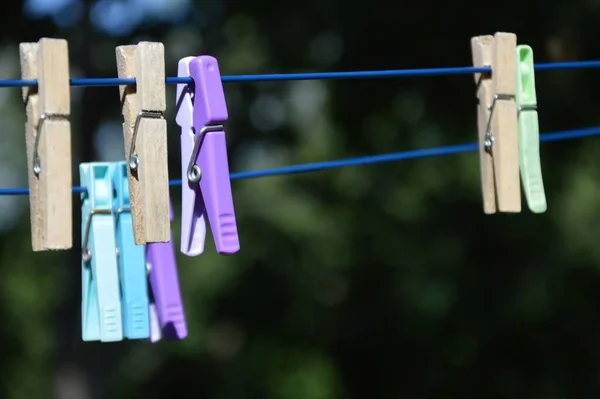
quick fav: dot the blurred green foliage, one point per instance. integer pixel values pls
(379, 281)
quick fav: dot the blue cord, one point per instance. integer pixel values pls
(314, 75)
(395, 156)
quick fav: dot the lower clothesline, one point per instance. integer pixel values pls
(364, 160)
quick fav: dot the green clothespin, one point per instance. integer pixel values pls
(529, 132)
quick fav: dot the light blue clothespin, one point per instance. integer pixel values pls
(101, 304)
(132, 262)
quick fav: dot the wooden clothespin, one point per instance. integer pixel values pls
(497, 122)
(145, 137)
(48, 141)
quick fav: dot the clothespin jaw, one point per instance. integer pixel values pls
(131, 261)
(497, 122)
(193, 225)
(167, 314)
(101, 304)
(207, 171)
(529, 132)
(145, 137)
(48, 142)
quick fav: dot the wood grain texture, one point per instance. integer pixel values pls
(51, 197)
(504, 123)
(481, 49)
(149, 184)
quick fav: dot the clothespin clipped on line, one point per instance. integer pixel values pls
(206, 188)
(497, 122)
(48, 142)
(167, 317)
(193, 224)
(101, 316)
(145, 137)
(508, 125)
(529, 132)
(131, 260)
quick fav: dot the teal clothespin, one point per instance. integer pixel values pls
(529, 132)
(101, 303)
(132, 262)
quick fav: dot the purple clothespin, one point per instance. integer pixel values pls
(205, 170)
(191, 244)
(166, 312)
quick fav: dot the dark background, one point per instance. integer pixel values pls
(380, 281)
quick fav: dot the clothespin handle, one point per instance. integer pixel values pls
(131, 261)
(167, 310)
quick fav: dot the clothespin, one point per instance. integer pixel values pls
(529, 132)
(206, 183)
(101, 303)
(145, 137)
(48, 142)
(166, 312)
(497, 122)
(192, 237)
(132, 262)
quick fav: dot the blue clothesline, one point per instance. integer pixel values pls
(390, 157)
(315, 75)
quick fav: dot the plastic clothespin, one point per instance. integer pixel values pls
(497, 122)
(166, 312)
(132, 262)
(48, 141)
(145, 137)
(192, 238)
(101, 303)
(529, 132)
(207, 186)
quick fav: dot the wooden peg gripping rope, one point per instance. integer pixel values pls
(481, 48)
(504, 123)
(497, 122)
(48, 142)
(145, 138)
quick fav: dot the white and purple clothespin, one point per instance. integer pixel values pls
(167, 317)
(206, 188)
